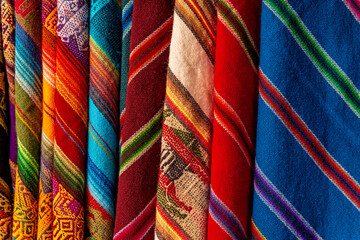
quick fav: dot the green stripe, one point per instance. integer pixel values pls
(74, 179)
(28, 169)
(240, 30)
(327, 67)
(139, 143)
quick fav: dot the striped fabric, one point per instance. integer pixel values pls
(306, 180)
(140, 150)
(127, 11)
(5, 178)
(71, 118)
(234, 126)
(49, 18)
(102, 159)
(8, 44)
(184, 176)
(28, 95)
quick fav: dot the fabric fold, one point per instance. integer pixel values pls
(28, 97)
(184, 177)
(140, 150)
(71, 118)
(103, 129)
(235, 112)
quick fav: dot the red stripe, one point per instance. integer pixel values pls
(187, 123)
(308, 140)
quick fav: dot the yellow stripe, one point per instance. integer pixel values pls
(188, 116)
(102, 146)
(203, 19)
(23, 120)
(257, 230)
(163, 222)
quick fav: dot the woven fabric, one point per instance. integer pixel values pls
(234, 126)
(8, 43)
(5, 178)
(140, 150)
(71, 123)
(127, 11)
(28, 95)
(306, 179)
(49, 18)
(184, 177)
(102, 161)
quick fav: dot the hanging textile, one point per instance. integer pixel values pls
(8, 43)
(46, 217)
(140, 150)
(71, 125)
(127, 11)
(235, 104)
(102, 161)
(28, 95)
(306, 179)
(184, 178)
(5, 177)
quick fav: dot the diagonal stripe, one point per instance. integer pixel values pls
(256, 234)
(226, 116)
(150, 48)
(310, 143)
(282, 208)
(225, 218)
(230, 17)
(140, 142)
(140, 225)
(354, 7)
(328, 68)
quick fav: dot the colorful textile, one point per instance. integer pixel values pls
(8, 44)
(28, 95)
(49, 18)
(306, 179)
(140, 150)
(183, 191)
(71, 121)
(234, 126)
(102, 161)
(127, 11)
(5, 178)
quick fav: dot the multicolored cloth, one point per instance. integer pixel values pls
(28, 95)
(306, 180)
(141, 133)
(71, 118)
(184, 178)
(234, 126)
(46, 217)
(5, 178)
(8, 44)
(102, 161)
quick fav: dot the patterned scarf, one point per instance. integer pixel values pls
(5, 178)
(140, 150)
(233, 148)
(71, 123)
(306, 176)
(28, 94)
(102, 162)
(184, 178)
(49, 18)
(8, 43)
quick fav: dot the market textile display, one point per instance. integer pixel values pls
(179, 119)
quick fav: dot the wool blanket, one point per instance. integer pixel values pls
(306, 179)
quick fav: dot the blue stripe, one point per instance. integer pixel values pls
(225, 218)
